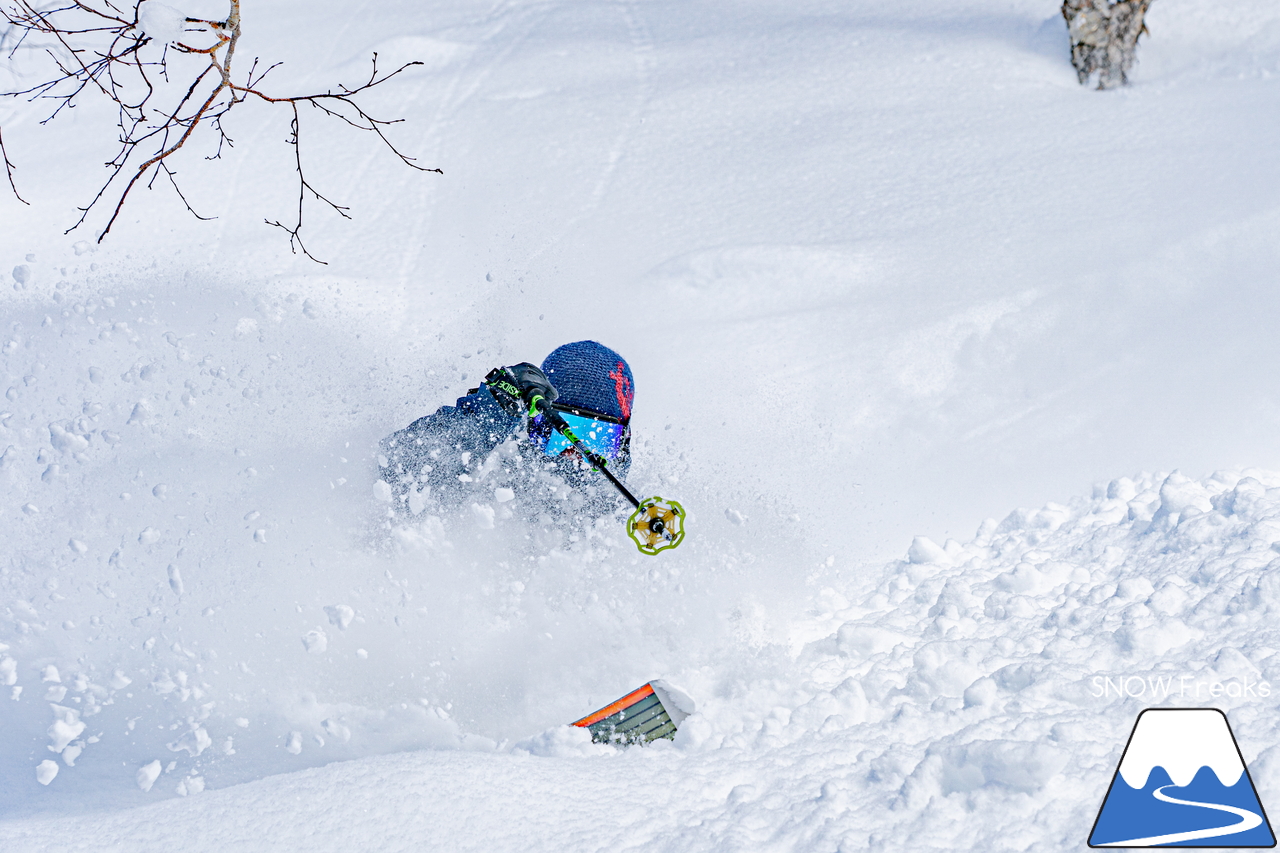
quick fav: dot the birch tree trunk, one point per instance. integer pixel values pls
(1104, 38)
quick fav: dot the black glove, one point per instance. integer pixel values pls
(516, 387)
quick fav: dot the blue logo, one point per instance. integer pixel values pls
(1182, 783)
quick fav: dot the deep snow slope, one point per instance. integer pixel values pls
(881, 272)
(966, 698)
(906, 227)
(198, 569)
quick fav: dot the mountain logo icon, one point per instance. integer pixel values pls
(1182, 782)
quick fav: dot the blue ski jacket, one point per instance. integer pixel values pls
(469, 452)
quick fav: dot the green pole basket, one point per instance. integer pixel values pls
(656, 525)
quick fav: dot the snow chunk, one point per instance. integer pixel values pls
(66, 727)
(67, 442)
(160, 22)
(678, 704)
(316, 641)
(335, 729)
(141, 413)
(72, 752)
(483, 514)
(1178, 493)
(46, 771)
(175, 579)
(50, 674)
(167, 684)
(418, 499)
(925, 550)
(340, 615)
(148, 774)
(191, 785)
(8, 671)
(294, 745)
(194, 742)
(981, 693)
(502, 495)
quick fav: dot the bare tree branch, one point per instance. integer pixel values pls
(295, 233)
(173, 180)
(98, 47)
(8, 170)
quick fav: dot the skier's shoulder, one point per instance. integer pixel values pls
(476, 404)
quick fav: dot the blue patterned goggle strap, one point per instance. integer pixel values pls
(601, 435)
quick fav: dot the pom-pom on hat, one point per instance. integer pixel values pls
(591, 376)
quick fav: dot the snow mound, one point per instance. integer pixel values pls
(980, 692)
(960, 698)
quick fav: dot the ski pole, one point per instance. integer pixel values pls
(539, 405)
(656, 524)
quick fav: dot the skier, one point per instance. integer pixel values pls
(488, 446)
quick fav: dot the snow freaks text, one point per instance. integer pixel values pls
(1182, 686)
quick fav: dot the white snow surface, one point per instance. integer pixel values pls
(883, 272)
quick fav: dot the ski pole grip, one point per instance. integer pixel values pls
(539, 405)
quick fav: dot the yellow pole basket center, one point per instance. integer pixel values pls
(656, 525)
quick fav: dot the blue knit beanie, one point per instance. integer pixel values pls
(591, 376)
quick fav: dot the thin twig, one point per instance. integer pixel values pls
(8, 170)
(173, 180)
(295, 233)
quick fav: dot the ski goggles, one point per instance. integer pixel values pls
(599, 433)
